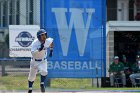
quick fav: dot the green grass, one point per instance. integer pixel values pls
(20, 83)
(71, 83)
(64, 83)
(16, 83)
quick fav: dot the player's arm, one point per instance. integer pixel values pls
(51, 49)
(35, 50)
(49, 44)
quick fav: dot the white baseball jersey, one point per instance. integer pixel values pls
(36, 45)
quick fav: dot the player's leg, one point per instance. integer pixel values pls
(133, 77)
(43, 72)
(31, 78)
(111, 79)
(123, 79)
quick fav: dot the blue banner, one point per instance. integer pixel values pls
(77, 27)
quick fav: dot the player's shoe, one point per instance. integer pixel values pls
(29, 91)
(42, 88)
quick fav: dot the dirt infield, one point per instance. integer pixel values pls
(76, 91)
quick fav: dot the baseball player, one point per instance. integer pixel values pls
(117, 69)
(38, 60)
(135, 71)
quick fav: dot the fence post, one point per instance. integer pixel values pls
(92, 82)
(3, 68)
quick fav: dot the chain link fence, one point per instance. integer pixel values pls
(14, 76)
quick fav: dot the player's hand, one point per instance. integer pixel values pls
(42, 46)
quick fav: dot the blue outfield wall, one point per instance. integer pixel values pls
(78, 29)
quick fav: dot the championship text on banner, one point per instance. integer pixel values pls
(21, 38)
(78, 31)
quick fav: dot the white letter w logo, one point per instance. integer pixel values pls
(77, 22)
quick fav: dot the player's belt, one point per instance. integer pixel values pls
(39, 59)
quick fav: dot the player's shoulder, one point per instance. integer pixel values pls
(36, 41)
(49, 39)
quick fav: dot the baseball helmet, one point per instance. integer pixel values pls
(41, 31)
